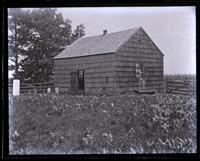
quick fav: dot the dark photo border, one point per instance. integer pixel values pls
(84, 3)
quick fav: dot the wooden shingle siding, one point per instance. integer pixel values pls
(85, 59)
(99, 72)
(90, 65)
(113, 71)
(142, 58)
(89, 70)
(139, 49)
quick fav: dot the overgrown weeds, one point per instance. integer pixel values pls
(64, 124)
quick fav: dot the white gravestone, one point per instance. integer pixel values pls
(56, 90)
(16, 87)
(48, 90)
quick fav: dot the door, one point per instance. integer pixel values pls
(81, 79)
(73, 81)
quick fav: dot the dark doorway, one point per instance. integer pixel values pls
(73, 81)
(81, 79)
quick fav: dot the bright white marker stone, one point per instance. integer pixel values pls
(16, 87)
(56, 90)
(48, 90)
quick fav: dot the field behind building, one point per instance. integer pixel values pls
(129, 123)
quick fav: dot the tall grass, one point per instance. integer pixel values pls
(66, 124)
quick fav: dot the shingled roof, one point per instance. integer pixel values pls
(93, 45)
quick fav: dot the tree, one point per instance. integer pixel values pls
(36, 37)
(50, 35)
(78, 33)
(17, 31)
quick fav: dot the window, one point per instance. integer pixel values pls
(142, 70)
(139, 70)
(80, 73)
(137, 67)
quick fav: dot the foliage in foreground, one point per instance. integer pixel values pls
(44, 124)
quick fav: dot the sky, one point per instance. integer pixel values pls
(173, 29)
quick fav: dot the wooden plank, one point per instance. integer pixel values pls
(123, 85)
(102, 69)
(120, 67)
(61, 84)
(154, 78)
(62, 87)
(127, 78)
(91, 57)
(133, 52)
(101, 79)
(125, 69)
(99, 75)
(182, 93)
(25, 84)
(139, 59)
(84, 60)
(182, 90)
(177, 82)
(179, 87)
(32, 90)
(146, 91)
(88, 70)
(56, 79)
(36, 87)
(155, 74)
(154, 82)
(91, 65)
(132, 78)
(88, 75)
(126, 74)
(147, 75)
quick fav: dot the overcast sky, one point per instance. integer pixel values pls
(173, 29)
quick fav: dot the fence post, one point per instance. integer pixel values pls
(56, 90)
(16, 87)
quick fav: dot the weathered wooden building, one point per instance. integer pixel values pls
(110, 63)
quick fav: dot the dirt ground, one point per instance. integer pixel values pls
(66, 124)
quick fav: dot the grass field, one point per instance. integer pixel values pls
(65, 124)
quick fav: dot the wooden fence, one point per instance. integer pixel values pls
(171, 86)
(181, 87)
(33, 87)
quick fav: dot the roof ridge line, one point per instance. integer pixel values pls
(114, 41)
(110, 33)
(127, 39)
